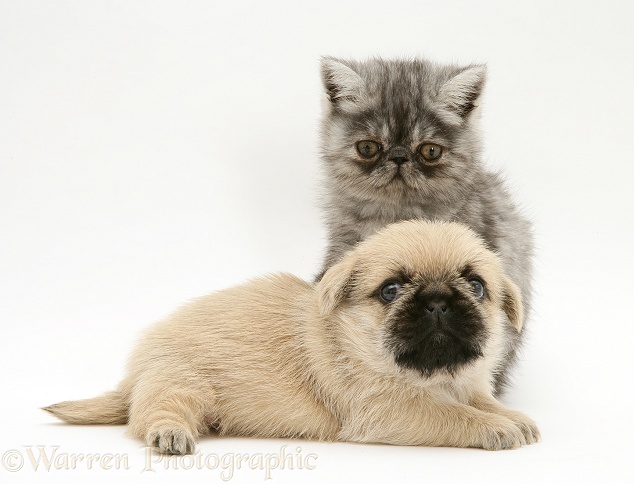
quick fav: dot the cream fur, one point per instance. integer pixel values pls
(278, 357)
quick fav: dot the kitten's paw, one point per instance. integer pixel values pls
(500, 433)
(176, 441)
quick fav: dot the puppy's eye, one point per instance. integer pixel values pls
(477, 286)
(368, 148)
(430, 151)
(390, 292)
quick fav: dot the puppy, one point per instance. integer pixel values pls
(399, 343)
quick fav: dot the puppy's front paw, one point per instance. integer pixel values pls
(500, 433)
(176, 441)
(527, 426)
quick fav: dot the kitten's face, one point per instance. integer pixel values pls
(397, 130)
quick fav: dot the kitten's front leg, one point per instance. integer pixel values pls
(487, 403)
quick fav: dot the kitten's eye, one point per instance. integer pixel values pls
(390, 292)
(477, 286)
(430, 151)
(368, 148)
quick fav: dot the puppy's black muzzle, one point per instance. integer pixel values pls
(437, 329)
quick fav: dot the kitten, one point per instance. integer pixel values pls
(400, 140)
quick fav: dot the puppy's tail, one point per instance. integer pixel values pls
(109, 408)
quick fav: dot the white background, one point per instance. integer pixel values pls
(152, 152)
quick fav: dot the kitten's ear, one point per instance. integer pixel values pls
(512, 304)
(335, 284)
(459, 94)
(343, 86)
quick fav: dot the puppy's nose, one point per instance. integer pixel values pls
(438, 306)
(398, 155)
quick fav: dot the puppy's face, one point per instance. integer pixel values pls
(435, 323)
(429, 293)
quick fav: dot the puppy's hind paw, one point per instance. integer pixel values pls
(171, 441)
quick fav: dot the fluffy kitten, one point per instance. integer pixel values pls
(400, 140)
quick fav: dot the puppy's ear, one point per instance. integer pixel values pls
(335, 284)
(512, 304)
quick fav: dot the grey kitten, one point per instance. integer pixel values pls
(400, 140)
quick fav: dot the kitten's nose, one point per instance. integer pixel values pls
(398, 155)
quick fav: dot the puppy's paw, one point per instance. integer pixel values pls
(176, 441)
(500, 433)
(527, 426)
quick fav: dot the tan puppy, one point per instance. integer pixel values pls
(398, 343)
